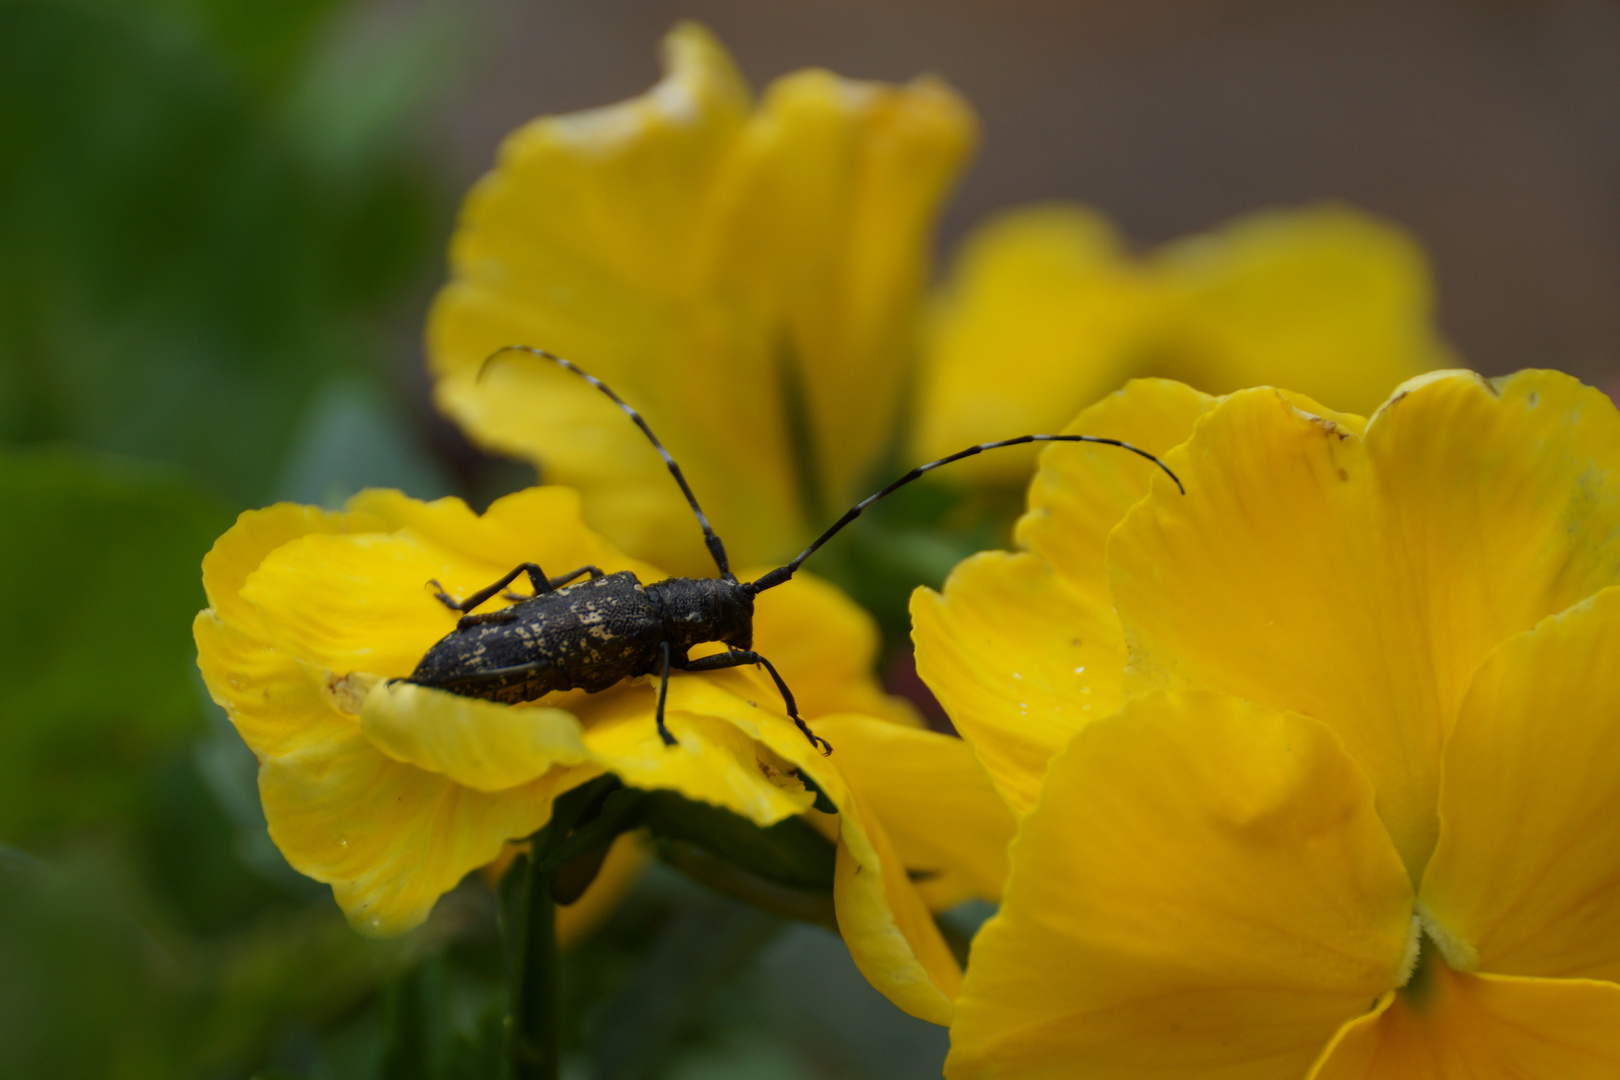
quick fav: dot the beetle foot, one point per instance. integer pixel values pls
(443, 597)
(822, 745)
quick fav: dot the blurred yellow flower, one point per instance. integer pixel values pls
(1326, 300)
(753, 279)
(712, 262)
(1330, 744)
(392, 792)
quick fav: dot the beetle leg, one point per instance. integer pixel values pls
(558, 582)
(594, 571)
(503, 615)
(443, 597)
(537, 577)
(743, 657)
(663, 692)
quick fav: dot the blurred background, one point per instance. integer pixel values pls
(220, 225)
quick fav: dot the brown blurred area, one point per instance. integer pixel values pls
(1490, 129)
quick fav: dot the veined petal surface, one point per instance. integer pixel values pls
(1483, 1027)
(388, 837)
(1082, 491)
(1362, 581)
(1526, 877)
(1204, 890)
(1505, 499)
(479, 744)
(943, 816)
(1024, 649)
(1020, 662)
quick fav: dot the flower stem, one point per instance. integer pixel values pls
(533, 1026)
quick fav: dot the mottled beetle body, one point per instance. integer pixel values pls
(586, 636)
(597, 633)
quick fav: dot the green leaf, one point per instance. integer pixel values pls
(96, 657)
(790, 853)
(620, 811)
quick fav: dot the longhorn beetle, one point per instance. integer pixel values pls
(593, 634)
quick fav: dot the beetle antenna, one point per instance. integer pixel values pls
(783, 573)
(710, 537)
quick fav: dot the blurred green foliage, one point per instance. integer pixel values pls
(93, 676)
(208, 211)
(213, 218)
(189, 241)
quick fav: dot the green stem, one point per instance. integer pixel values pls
(534, 1025)
(529, 927)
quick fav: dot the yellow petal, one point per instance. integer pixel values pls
(686, 253)
(891, 934)
(1082, 492)
(588, 239)
(1019, 660)
(837, 184)
(884, 920)
(1485, 1026)
(725, 725)
(1022, 650)
(1526, 877)
(479, 744)
(277, 704)
(945, 820)
(538, 524)
(256, 534)
(1362, 582)
(1326, 300)
(358, 603)
(1506, 498)
(362, 601)
(388, 837)
(1050, 288)
(1204, 890)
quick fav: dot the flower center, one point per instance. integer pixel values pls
(1429, 947)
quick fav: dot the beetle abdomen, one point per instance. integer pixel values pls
(587, 636)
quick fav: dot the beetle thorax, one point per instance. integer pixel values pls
(697, 610)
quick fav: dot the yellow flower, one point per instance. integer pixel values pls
(392, 792)
(1331, 796)
(753, 279)
(709, 260)
(1327, 300)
